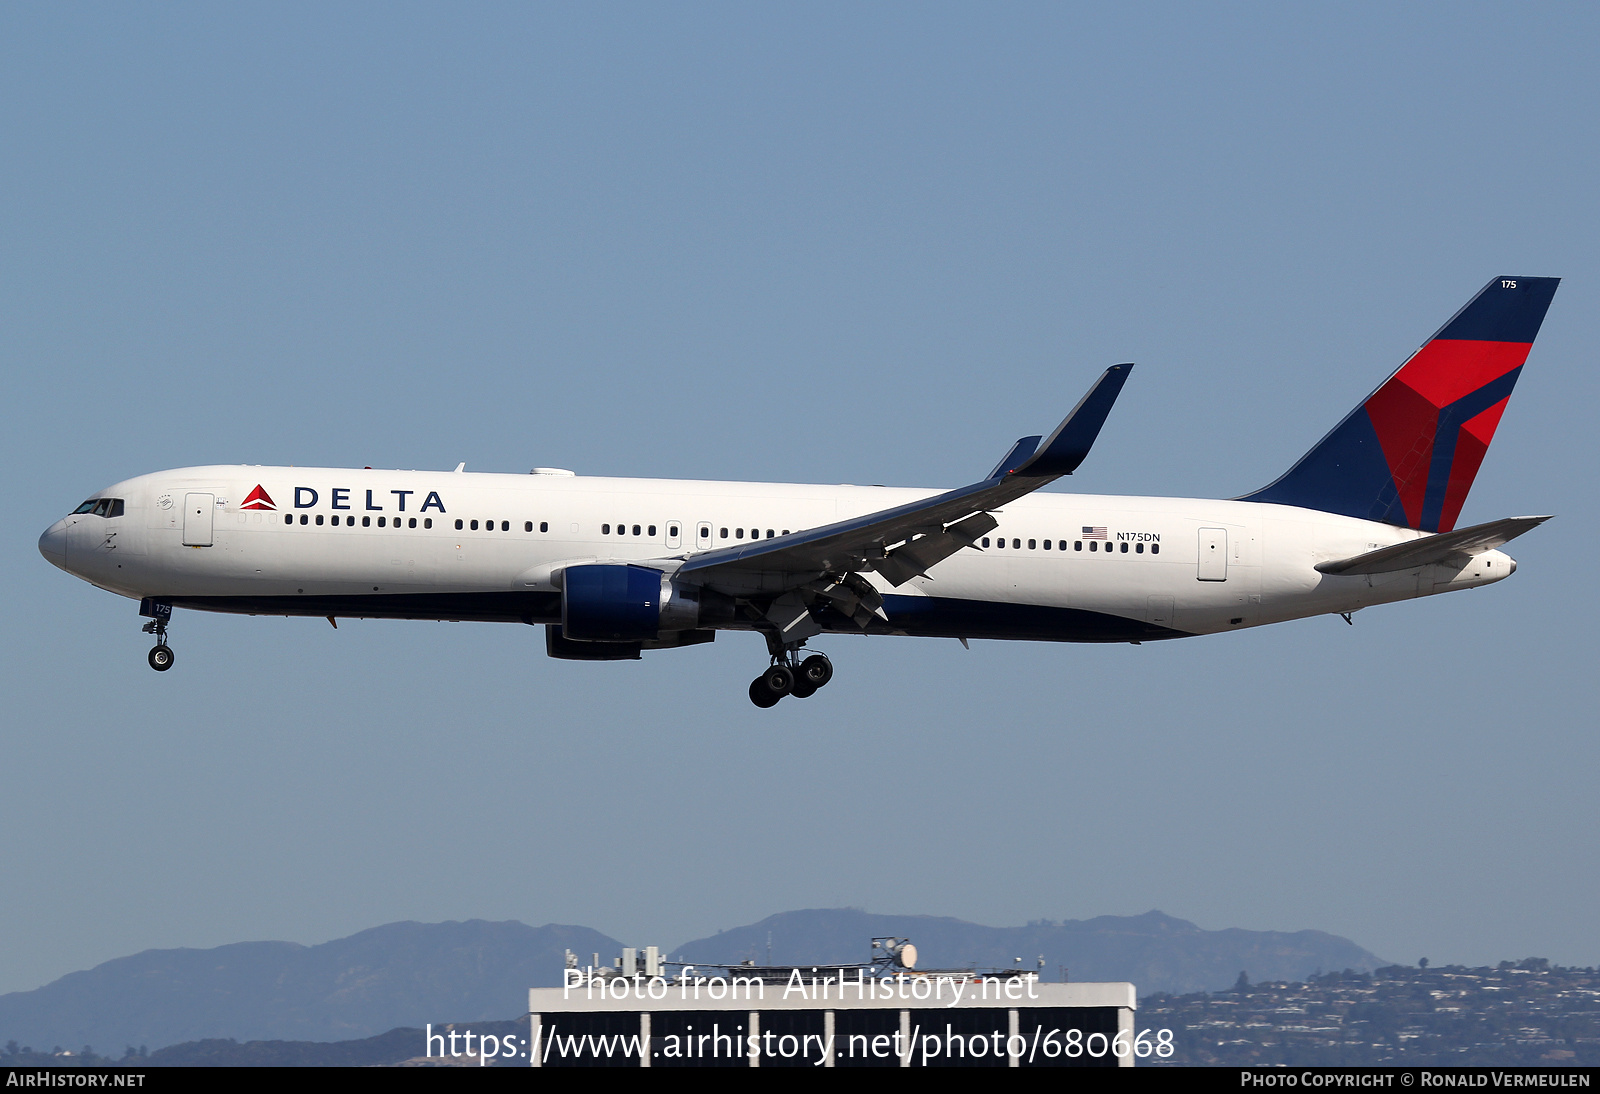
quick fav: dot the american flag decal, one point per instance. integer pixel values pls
(1098, 532)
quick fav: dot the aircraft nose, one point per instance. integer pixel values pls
(53, 544)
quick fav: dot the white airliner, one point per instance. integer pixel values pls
(615, 566)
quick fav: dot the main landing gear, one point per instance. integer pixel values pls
(790, 676)
(160, 614)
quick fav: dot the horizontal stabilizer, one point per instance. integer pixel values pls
(1430, 549)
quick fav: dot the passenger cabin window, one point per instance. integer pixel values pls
(458, 524)
(319, 518)
(288, 518)
(1155, 548)
(672, 530)
(366, 522)
(544, 526)
(1033, 545)
(652, 530)
(505, 526)
(1124, 548)
(724, 533)
(474, 526)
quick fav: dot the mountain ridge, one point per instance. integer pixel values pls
(409, 973)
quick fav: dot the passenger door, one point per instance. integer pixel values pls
(198, 512)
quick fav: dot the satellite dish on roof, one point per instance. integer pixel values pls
(906, 956)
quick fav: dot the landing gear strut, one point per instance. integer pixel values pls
(160, 614)
(789, 675)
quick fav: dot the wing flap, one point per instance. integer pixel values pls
(916, 558)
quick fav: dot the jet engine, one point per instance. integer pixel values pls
(614, 602)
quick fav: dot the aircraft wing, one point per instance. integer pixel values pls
(1438, 548)
(905, 541)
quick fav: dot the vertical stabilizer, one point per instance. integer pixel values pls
(1408, 454)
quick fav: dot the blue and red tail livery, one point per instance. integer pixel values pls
(1408, 454)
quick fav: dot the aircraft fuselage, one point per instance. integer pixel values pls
(472, 546)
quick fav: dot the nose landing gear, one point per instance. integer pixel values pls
(160, 614)
(790, 676)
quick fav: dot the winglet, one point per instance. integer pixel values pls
(1020, 451)
(1069, 445)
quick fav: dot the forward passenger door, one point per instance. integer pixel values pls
(198, 513)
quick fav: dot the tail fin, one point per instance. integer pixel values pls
(1408, 454)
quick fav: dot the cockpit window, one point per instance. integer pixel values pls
(101, 507)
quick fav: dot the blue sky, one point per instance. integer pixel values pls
(802, 243)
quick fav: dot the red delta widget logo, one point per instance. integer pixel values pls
(259, 499)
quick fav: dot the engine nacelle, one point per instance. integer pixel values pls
(614, 602)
